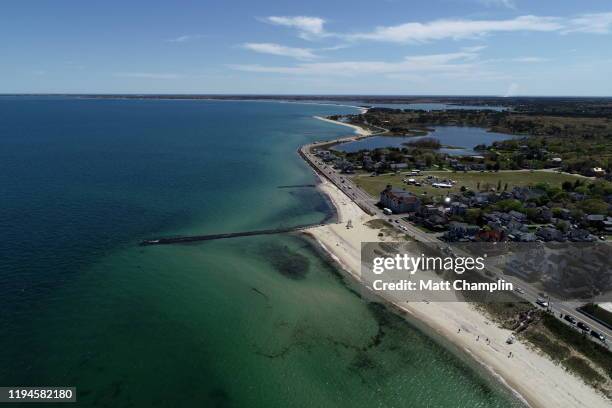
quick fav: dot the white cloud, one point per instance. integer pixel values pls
(147, 75)
(499, 3)
(277, 49)
(434, 59)
(595, 23)
(457, 29)
(475, 48)
(185, 38)
(530, 59)
(459, 62)
(308, 27)
(419, 32)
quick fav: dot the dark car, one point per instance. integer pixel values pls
(583, 326)
(570, 319)
(598, 336)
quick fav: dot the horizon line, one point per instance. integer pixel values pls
(299, 95)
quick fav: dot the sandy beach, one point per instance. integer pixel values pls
(532, 376)
(359, 131)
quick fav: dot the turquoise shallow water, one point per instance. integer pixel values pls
(259, 321)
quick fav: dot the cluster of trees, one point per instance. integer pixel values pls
(581, 142)
(557, 198)
(425, 143)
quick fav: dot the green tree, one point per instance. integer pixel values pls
(594, 206)
(567, 186)
(473, 215)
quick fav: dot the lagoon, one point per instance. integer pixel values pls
(463, 139)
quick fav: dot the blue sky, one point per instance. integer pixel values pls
(447, 47)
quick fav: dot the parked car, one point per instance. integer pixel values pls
(583, 326)
(570, 319)
(598, 336)
(542, 302)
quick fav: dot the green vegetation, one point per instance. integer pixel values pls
(379, 224)
(562, 343)
(556, 351)
(573, 143)
(425, 143)
(505, 313)
(582, 368)
(593, 351)
(471, 180)
(387, 229)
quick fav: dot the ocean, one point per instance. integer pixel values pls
(261, 321)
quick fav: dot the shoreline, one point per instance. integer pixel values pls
(531, 377)
(359, 131)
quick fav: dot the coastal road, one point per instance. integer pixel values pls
(368, 203)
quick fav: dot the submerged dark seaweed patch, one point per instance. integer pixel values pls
(362, 361)
(286, 261)
(219, 398)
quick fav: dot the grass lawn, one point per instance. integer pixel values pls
(374, 185)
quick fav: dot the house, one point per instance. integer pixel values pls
(543, 214)
(517, 216)
(580, 235)
(521, 236)
(595, 220)
(399, 201)
(526, 193)
(427, 210)
(398, 166)
(550, 234)
(516, 226)
(598, 171)
(478, 166)
(608, 225)
(457, 208)
(481, 199)
(461, 231)
(491, 235)
(435, 222)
